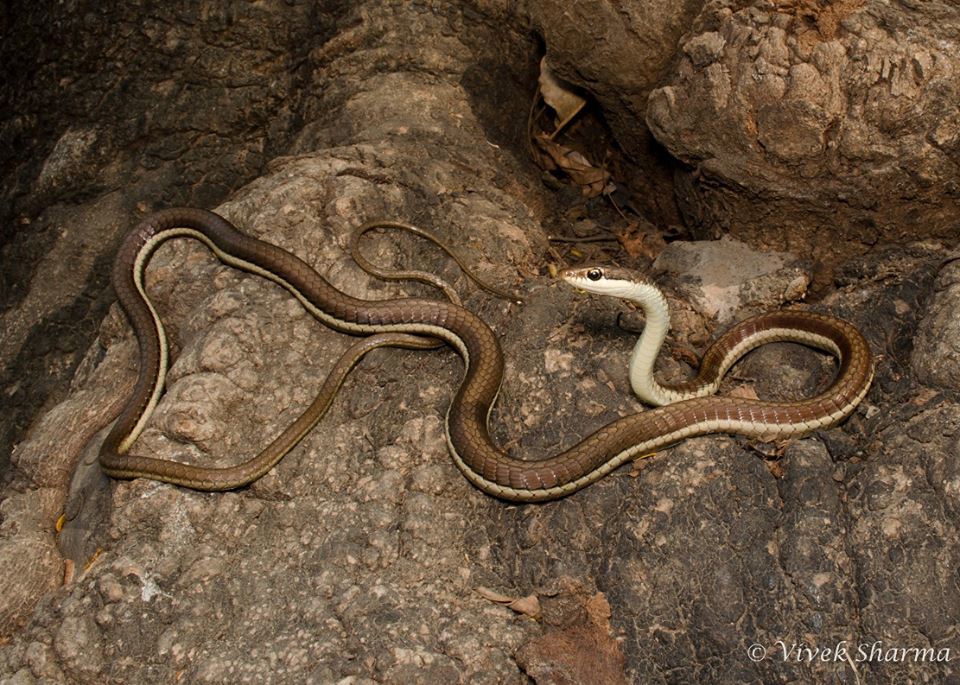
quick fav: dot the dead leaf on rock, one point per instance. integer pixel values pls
(528, 606)
(560, 96)
(640, 464)
(638, 242)
(582, 652)
(599, 611)
(492, 595)
(591, 179)
(745, 392)
(632, 243)
(771, 451)
(776, 469)
(69, 571)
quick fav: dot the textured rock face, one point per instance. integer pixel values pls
(172, 104)
(360, 557)
(838, 120)
(936, 351)
(619, 51)
(726, 280)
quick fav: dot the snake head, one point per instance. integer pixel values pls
(612, 281)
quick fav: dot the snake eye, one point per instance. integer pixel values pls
(595, 274)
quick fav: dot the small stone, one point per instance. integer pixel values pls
(705, 48)
(79, 643)
(110, 588)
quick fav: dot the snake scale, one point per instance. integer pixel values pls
(412, 322)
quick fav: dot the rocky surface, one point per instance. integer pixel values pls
(936, 357)
(618, 52)
(727, 280)
(837, 119)
(173, 105)
(365, 556)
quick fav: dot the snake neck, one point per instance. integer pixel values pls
(657, 314)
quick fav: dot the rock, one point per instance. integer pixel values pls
(27, 548)
(364, 517)
(70, 163)
(357, 558)
(616, 52)
(835, 119)
(936, 351)
(78, 643)
(728, 280)
(21, 677)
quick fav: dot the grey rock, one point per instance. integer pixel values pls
(21, 677)
(617, 52)
(936, 351)
(78, 643)
(727, 279)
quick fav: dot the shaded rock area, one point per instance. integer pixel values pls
(172, 105)
(365, 556)
(618, 52)
(936, 355)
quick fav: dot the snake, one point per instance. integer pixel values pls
(407, 321)
(416, 275)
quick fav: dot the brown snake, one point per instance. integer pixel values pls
(401, 322)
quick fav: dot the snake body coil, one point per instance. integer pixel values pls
(486, 466)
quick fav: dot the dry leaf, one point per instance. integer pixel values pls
(776, 469)
(559, 96)
(528, 606)
(632, 243)
(745, 392)
(591, 180)
(641, 239)
(581, 651)
(640, 464)
(69, 571)
(93, 559)
(599, 611)
(770, 450)
(493, 595)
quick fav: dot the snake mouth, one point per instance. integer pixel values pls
(579, 284)
(576, 286)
